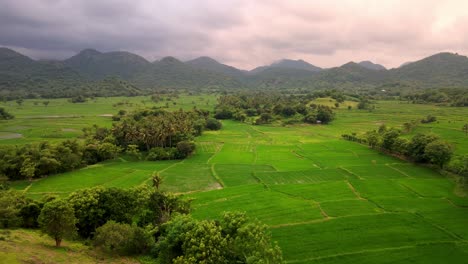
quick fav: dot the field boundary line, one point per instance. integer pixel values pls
(358, 195)
(332, 218)
(254, 175)
(28, 187)
(158, 173)
(427, 243)
(319, 206)
(365, 199)
(302, 223)
(410, 189)
(441, 228)
(354, 153)
(218, 149)
(454, 204)
(215, 175)
(350, 173)
(255, 154)
(398, 170)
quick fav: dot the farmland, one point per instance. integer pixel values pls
(326, 200)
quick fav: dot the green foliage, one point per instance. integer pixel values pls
(459, 165)
(213, 124)
(78, 99)
(429, 119)
(57, 219)
(94, 207)
(417, 146)
(234, 239)
(4, 115)
(42, 159)
(272, 106)
(438, 152)
(159, 153)
(11, 204)
(123, 239)
(364, 104)
(184, 149)
(149, 129)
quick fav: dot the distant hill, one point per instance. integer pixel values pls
(95, 65)
(371, 66)
(174, 74)
(442, 69)
(288, 64)
(209, 64)
(123, 73)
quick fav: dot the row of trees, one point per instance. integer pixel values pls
(424, 148)
(264, 108)
(447, 96)
(142, 220)
(40, 159)
(159, 134)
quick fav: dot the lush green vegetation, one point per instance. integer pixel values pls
(266, 108)
(325, 199)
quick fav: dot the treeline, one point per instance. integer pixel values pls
(265, 108)
(33, 89)
(156, 134)
(446, 96)
(422, 148)
(141, 221)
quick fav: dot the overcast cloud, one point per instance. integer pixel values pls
(241, 33)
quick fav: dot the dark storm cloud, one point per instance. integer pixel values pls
(239, 32)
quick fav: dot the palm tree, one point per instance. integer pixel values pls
(157, 180)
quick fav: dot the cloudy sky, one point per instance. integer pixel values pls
(241, 33)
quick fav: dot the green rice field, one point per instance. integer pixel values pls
(326, 200)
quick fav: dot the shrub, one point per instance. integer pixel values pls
(213, 124)
(4, 115)
(122, 239)
(429, 119)
(185, 148)
(78, 99)
(223, 114)
(159, 153)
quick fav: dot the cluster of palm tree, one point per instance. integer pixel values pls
(158, 129)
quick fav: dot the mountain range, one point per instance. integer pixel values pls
(133, 73)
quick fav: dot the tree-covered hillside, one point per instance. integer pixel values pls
(130, 74)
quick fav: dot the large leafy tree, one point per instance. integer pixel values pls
(233, 239)
(438, 152)
(57, 219)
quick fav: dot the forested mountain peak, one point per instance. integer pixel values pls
(295, 64)
(210, 64)
(169, 60)
(96, 65)
(371, 66)
(9, 54)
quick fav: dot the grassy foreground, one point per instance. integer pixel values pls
(26, 246)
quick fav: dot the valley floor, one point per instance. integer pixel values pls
(326, 200)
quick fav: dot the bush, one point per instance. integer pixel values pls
(429, 119)
(122, 239)
(159, 153)
(4, 115)
(213, 124)
(185, 148)
(11, 203)
(78, 99)
(223, 114)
